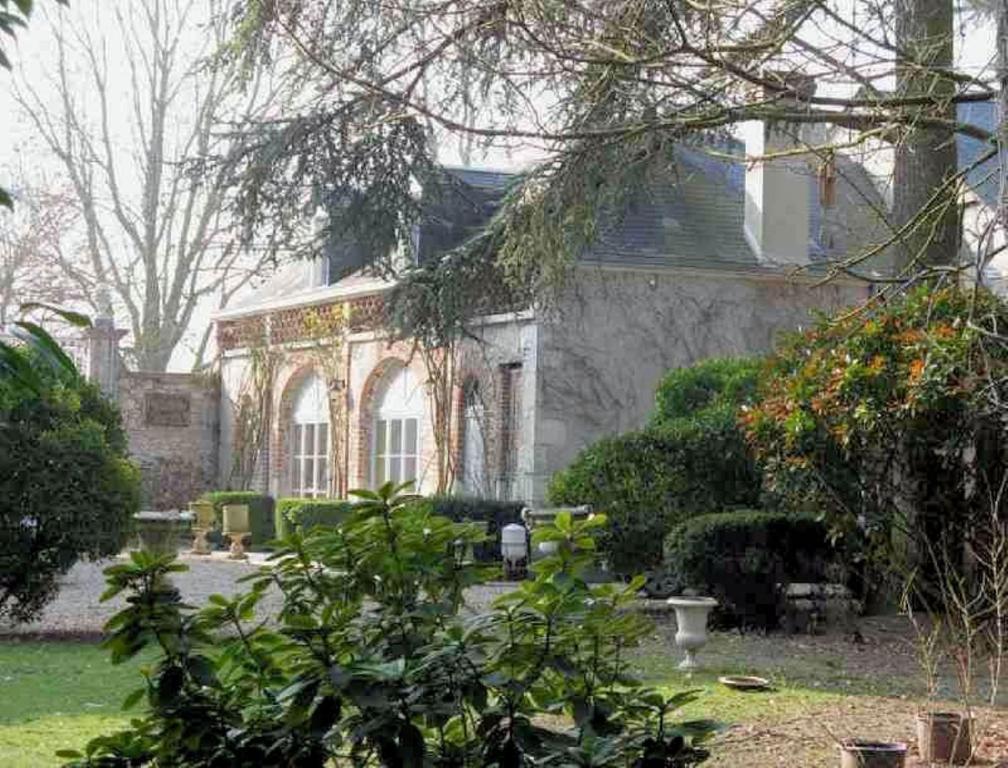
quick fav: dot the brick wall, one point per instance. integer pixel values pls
(172, 422)
(284, 326)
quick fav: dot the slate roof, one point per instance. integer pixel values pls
(984, 178)
(695, 219)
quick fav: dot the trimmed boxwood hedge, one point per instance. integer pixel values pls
(260, 512)
(494, 512)
(292, 513)
(741, 557)
(305, 513)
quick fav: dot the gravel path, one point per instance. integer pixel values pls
(78, 612)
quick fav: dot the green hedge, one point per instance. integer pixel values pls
(495, 513)
(305, 514)
(260, 512)
(741, 557)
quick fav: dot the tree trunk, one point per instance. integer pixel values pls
(1001, 9)
(926, 158)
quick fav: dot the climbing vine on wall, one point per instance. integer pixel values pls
(329, 329)
(252, 416)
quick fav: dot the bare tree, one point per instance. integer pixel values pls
(31, 247)
(156, 232)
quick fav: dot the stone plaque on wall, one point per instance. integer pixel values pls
(162, 409)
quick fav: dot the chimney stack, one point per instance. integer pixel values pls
(777, 191)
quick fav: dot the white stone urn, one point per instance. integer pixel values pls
(691, 625)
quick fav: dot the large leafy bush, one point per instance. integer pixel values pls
(742, 558)
(691, 459)
(67, 489)
(370, 660)
(891, 422)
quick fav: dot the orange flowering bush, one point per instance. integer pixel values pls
(890, 420)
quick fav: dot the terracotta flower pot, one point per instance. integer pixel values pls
(945, 737)
(856, 753)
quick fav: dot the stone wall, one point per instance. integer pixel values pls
(172, 423)
(616, 332)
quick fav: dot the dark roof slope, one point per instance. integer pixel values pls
(695, 217)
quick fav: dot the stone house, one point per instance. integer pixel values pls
(703, 263)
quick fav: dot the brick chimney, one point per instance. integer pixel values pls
(777, 191)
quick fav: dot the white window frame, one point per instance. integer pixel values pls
(393, 464)
(315, 456)
(388, 464)
(310, 455)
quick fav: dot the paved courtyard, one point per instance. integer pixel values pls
(78, 611)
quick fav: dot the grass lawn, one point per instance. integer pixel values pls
(57, 695)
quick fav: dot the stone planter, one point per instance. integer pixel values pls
(159, 532)
(945, 738)
(236, 527)
(691, 625)
(872, 754)
(203, 524)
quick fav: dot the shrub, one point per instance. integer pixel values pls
(890, 422)
(260, 512)
(370, 659)
(67, 490)
(493, 512)
(713, 385)
(741, 557)
(647, 482)
(692, 457)
(304, 514)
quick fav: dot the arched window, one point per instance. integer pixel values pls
(396, 446)
(310, 439)
(474, 469)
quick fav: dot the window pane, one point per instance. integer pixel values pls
(323, 486)
(309, 442)
(308, 475)
(409, 468)
(380, 438)
(379, 471)
(323, 440)
(296, 441)
(410, 444)
(395, 436)
(394, 469)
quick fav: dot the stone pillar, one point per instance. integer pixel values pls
(103, 355)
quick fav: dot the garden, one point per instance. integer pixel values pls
(840, 502)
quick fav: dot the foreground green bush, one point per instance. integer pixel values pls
(741, 557)
(67, 489)
(304, 514)
(260, 512)
(693, 458)
(369, 660)
(495, 514)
